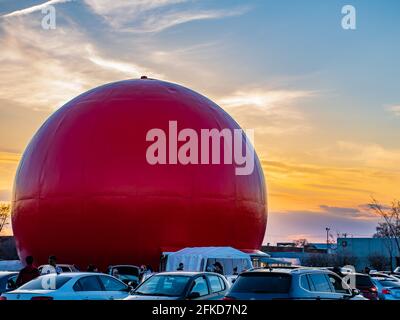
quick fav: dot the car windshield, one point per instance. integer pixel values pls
(47, 282)
(262, 283)
(163, 285)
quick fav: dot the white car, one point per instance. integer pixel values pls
(71, 286)
(64, 267)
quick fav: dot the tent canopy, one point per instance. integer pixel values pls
(203, 258)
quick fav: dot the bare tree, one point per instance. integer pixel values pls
(301, 243)
(379, 262)
(4, 214)
(390, 227)
(328, 260)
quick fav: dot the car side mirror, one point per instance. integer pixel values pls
(194, 295)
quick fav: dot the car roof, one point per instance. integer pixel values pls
(300, 270)
(75, 274)
(122, 265)
(6, 273)
(59, 265)
(185, 273)
(384, 278)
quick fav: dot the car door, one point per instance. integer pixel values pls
(89, 288)
(339, 287)
(113, 288)
(200, 285)
(321, 287)
(217, 287)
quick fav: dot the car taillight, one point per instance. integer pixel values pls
(3, 298)
(42, 298)
(386, 291)
(228, 298)
(373, 289)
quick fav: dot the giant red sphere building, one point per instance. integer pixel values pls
(85, 192)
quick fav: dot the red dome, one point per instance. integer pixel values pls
(85, 192)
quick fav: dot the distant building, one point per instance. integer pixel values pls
(376, 253)
(288, 251)
(7, 248)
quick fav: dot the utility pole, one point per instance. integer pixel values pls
(327, 238)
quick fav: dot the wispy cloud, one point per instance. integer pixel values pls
(268, 111)
(128, 69)
(394, 109)
(297, 224)
(263, 98)
(9, 157)
(52, 67)
(348, 212)
(35, 8)
(145, 16)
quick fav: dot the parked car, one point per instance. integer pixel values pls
(181, 285)
(301, 283)
(128, 274)
(366, 286)
(71, 286)
(381, 274)
(395, 275)
(8, 281)
(388, 289)
(64, 268)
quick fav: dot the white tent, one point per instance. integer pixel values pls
(203, 258)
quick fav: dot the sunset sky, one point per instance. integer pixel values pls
(324, 101)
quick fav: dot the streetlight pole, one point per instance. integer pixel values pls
(327, 238)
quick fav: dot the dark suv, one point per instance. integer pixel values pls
(366, 286)
(301, 283)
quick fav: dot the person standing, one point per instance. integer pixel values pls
(28, 273)
(218, 268)
(92, 268)
(52, 267)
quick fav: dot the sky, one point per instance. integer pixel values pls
(324, 101)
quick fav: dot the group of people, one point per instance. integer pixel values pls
(30, 272)
(216, 267)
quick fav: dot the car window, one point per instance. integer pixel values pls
(111, 284)
(320, 282)
(223, 284)
(363, 281)
(90, 283)
(164, 285)
(262, 282)
(304, 282)
(338, 285)
(200, 286)
(47, 282)
(215, 284)
(65, 269)
(128, 270)
(12, 283)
